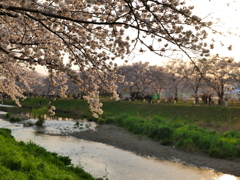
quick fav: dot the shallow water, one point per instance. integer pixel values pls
(104, 160)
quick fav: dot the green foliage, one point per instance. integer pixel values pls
(19, 160)
(188, 137)
(164, 133)
(14, 119)
(147, 128)
(39, 114)
(77, 124)
(101, 120)
(232, 134)
(158, 119)
(8, 115)
(40, 111)
(109, 120)
(5, 133)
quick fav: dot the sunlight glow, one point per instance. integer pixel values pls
(226, 177)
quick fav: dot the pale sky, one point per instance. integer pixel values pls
(227, 11)
(211, 10)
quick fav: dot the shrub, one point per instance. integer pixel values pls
(65, 159)
(217, 152)
(150, 130)
(14, 119)
(205, 142)
(158, 119)
(176, 125)
(109, 120)
(40, 121)
(119, 120)
(101, 120)
(164, 133)
(39, 114)
(232, 134)
(187, 144)
(8, 115)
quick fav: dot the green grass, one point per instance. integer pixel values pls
(19, 160)
(185, 136)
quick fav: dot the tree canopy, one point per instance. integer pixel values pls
(91, 34)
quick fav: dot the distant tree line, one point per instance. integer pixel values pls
(142, 80)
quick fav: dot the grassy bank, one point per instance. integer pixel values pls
(19, 160)
(184, 136)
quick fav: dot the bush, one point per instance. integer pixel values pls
(187, 144)
(14, 119)
(217, 152)
(158, 119)
(119, 120)
(40, 121)
(164, 133)
(176, 125)
(39, 114)
(8, 115)
(232, 134)
(205, 143)
(109, 120)
(101, 120)
(150, 130)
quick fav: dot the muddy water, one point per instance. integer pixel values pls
(104, 160)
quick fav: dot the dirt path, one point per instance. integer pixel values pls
(120, 138)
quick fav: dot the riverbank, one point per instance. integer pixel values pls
(121, 138)
(19, 160)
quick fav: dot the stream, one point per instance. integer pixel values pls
(102, 160)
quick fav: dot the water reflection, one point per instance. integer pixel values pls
(117, 164)
(27, 112)
(226, 177)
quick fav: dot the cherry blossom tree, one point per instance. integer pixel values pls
(138, 78)
(218, 72)
(158, 79)
(193, 77)
(15, 80)
(91, 34)
(173, 76)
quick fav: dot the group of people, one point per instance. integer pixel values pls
(209, 100)
(206, 99)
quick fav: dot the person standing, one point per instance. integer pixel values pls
(212, 100)
(196, 100)
(209, 100)
(206, 99)
(226, 101)
(203, 99)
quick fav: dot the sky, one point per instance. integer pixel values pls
(210, 10)
(227, 11)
